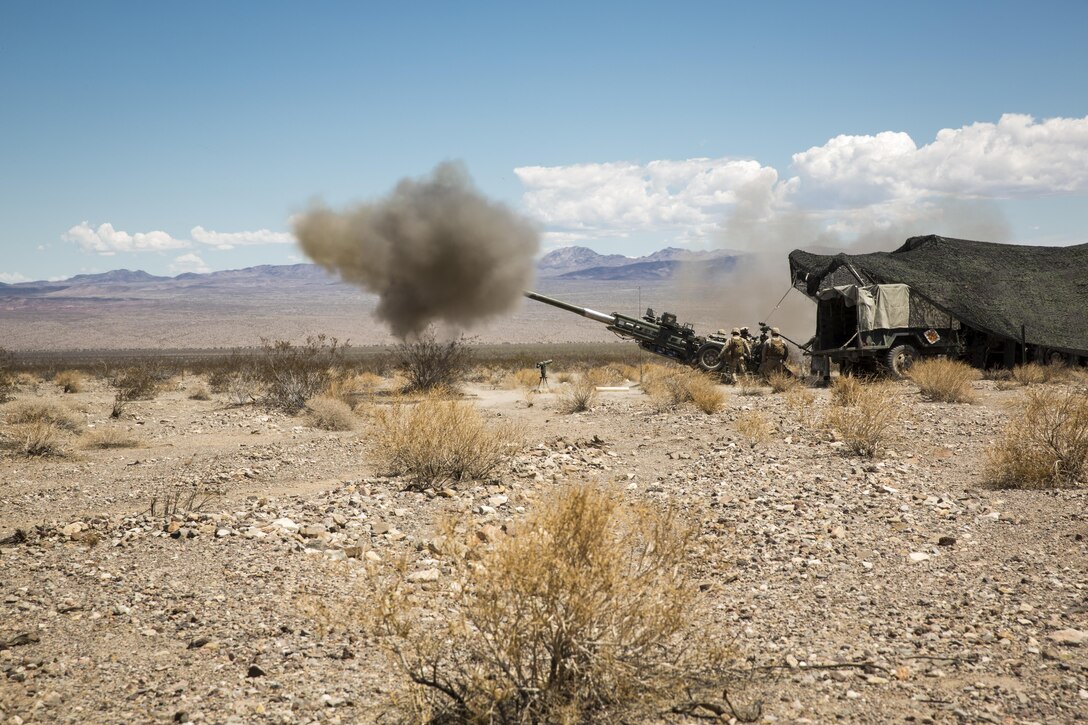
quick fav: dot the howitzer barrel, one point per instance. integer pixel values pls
(583, 311)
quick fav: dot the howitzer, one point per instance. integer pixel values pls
(660, 335)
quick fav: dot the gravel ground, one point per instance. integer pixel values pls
(897, 589)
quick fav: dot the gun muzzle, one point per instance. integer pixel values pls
(583, 311)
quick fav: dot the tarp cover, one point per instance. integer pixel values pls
(880, 306)
(992, 287)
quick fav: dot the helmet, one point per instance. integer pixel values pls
(721, 332)
(736, 331)
(775, 332)
(743, 330)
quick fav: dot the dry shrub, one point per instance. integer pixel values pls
(1036, 374)
(578, 397)
(292, 374)
(867, 423)
(71, 381)
(944, 381)
(671, 387)
(583, 615)
(523, 378)
(706, 396)
(845, 390)
(199, 391)
(26, 412)
(1045, 444)
(609, 375)
(352, 389)
(754, 426)
(137, 383)
(243, 387)
(750, 385)
(780, 381)
(111, 438)
(429, 363)
(7, 376)
(329, 413)
(436, 440)
(564, 377)
(38, 438)
(801, 402)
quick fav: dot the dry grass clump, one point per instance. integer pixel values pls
(103, 438)
(564, 377)
(801, 402)
(8, 377)
(70, 381)
(867, 423)
(436, 440)
(944, 381)
(583, 615)
(577, 397)
(523, 378)
(328, 413)
(1045, 444)
(291, 374)
(37, 438)
(706, 396)
(754, 426)
(845, 390)
(750, 385)
(671, 387)
(780, 382)
(614, 374)
(199, 391)
(136, 383)
(25, 412)
(1036, 374)
(353, 389)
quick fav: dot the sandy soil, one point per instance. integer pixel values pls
(900, 589)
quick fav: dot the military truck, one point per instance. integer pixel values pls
(992, 305)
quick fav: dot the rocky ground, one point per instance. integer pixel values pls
(897, 589)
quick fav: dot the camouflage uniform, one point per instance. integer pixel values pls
(775, 354)
(735, 353)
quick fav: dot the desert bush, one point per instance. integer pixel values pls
(70, 381)
(291, 374)
(577, 397)
(564, 377)
(199, 391)
(7, 376)
(583, 615)
(801, 402)
(1036, 374)
(523, 378)
(111, 438)
(136, 383)
(26, 412)
(750, 385)
(38, 438)
(329, 413)
(754, 426)
(436, 440)
(867, 423)
(429, 363)
(1045, 444)
(780, 382)
(351, 389)
(944, 381)
(606, 375)
(845, 390)
(671, 387)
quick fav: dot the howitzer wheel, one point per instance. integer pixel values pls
(709, 357)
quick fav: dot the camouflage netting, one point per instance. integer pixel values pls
(991, 287)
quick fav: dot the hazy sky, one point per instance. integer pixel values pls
(179, 137)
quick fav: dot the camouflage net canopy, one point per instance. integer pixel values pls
(993, 288)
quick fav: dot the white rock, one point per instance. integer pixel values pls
(919, 556)
(427, 575)
(286, 525)
(1074, 637)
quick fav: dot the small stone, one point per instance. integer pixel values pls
(372, 556)
(852, 695)
(919, 556)
(488, 533)
(946, 541)
(313, 531)
(255, 671)
(1071, 637)
(380, 527)
(286, 524)
(222, 533)
(73, 528)
(497, 501)
(426, 575)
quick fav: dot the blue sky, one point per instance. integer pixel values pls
(183, 136)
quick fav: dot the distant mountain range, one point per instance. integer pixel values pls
(568, 263)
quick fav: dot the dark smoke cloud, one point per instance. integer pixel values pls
(434, 250)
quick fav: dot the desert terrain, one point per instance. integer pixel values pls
(897, 588)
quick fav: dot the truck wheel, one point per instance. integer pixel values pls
(709, 357)
(899, 359)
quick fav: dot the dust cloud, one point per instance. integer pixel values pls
(434, 250)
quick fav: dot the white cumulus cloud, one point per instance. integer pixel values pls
(13, 277)
(188, 263)
(687, 198)
(107, 241)
(229, 240)
(1016, 157)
